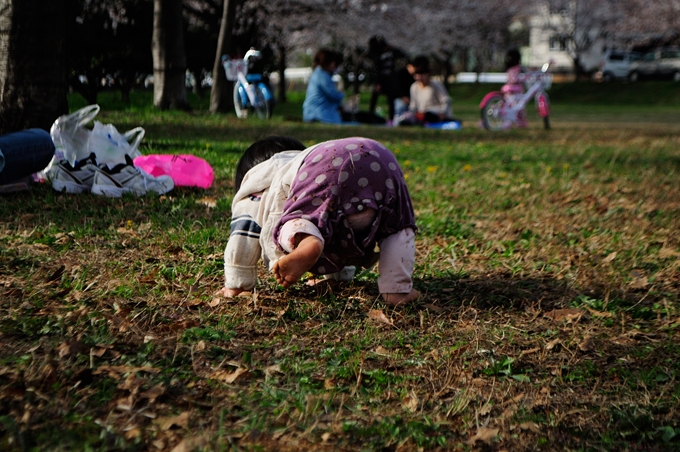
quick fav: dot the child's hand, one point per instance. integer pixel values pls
(228, 293)
(398, 299)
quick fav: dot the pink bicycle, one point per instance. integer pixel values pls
(501, 111)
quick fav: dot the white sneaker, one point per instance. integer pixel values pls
(127, 178)
(75, 179)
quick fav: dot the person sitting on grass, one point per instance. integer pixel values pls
(321, 210)
(429, 100)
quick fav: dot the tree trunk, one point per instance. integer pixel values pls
(169, 59)
(221, 100)
(33, 81)
(282, 74)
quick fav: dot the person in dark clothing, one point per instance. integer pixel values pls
(384, 58)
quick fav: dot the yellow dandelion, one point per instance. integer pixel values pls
(432, 169)
(504, 175)
(565, 167)
(548, 169)
(467, 167)
(407, 163)
(405, 175)
(207, 145)
(129, 223)
(396, 151)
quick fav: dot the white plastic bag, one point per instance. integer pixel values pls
(110, 146)
(70, 135)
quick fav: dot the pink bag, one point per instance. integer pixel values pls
(185, 170)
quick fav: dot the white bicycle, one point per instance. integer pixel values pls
(251, 93)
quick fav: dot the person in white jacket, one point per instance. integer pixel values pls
(321, 210)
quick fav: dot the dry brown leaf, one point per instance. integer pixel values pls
(329, 383)
(379, 316)
(410, 403)
(125, 403)
(529, 426)
(229, 377)
(530, 351)
(209, 202)
(586, 344)
(132, 433)
(325, 437)
(273, 369)
(483, 434)
(382, 351)
(550, 345)
(200, 346)
(639, 281)
(568, 314)
(190, 444)
(667, 252)
(486, 409)
(609, 258)
(181, 420)
(435, 308)
(600, 313)
(215, 302)
(153, 393)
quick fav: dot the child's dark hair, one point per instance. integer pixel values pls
(421, 64)
(263, 150)
(512, 58)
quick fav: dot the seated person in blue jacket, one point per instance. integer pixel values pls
(24, 153)
(323, 101)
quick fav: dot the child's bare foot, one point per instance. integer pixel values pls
(228, 293)
(291, 267)
(398, 299)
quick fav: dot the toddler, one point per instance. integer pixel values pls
(321, 210)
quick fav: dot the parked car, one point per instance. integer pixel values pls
(616, 64)
(658, 64)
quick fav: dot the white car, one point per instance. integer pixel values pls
(616, 64)
(658, 64)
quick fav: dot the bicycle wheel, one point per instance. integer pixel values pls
(261, 107)
(240, 106)
(491, 113)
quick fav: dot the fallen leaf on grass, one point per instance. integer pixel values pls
(410, 403)
(599, 313)
(550, 345)
(379, 316)
(189, 444)
(208, 202)
(568, 314)
(530, 351)
(116, 372)
(529, 426)
(483, 434)
(666, 252)
(609, 258)
(586, 344)
(434, 308)
(215, 302)
(271, 370)
(72, 348)
(153, 393)
(382, 351)
(181, 420)
(133, 432)
(229, 377)
(639, 281)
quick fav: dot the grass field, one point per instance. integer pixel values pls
(548, 263)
